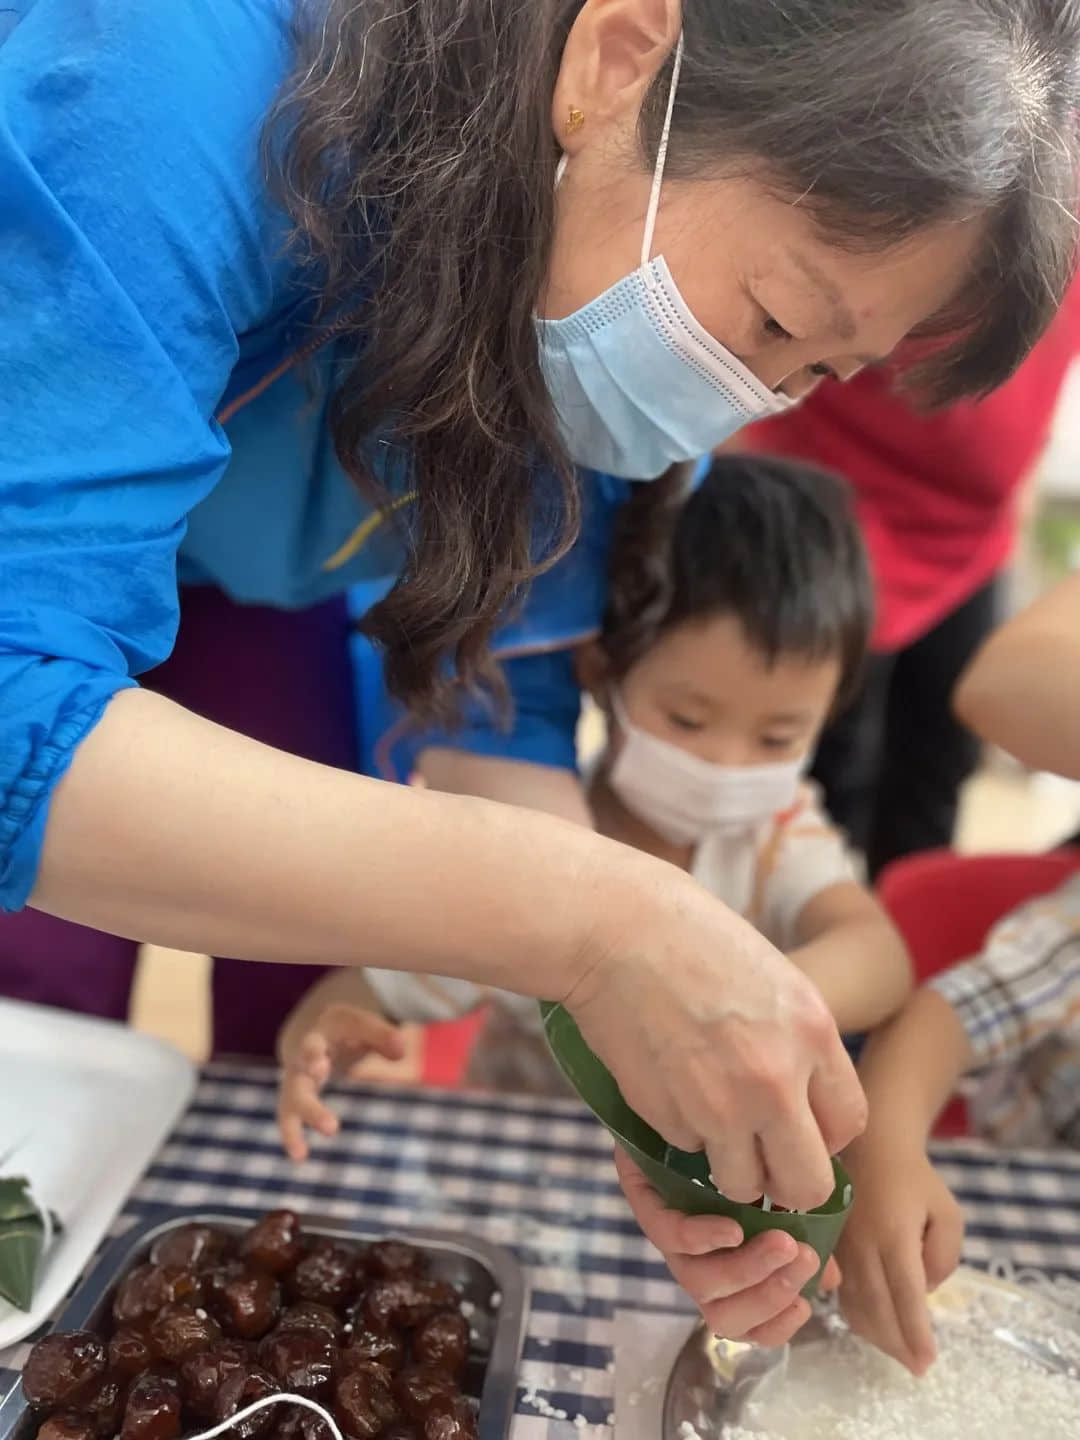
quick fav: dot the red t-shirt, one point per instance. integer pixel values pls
(936, 493)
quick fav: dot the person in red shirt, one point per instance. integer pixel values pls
(937, 494)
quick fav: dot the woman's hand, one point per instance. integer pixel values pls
(744, 1292)
(718, 1041)
(903, 1240)
(340, 1039)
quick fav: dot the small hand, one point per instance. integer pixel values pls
(902, 1241)
(744, 1292)
(341, 1038)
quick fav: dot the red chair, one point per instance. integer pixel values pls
(946, 904)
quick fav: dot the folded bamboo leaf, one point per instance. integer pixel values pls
(22, 1240)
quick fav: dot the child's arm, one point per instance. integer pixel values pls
(1022, 690)
(550, 788)
(906, 1229)
(852, 952)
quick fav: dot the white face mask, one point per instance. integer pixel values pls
(683, 797)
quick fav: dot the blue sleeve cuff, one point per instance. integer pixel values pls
(37, 754)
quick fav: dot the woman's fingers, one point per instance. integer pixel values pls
(836, 1097)
(738, 1288)
(799, 1172)
(670, 1231)
(778, 1331)
(765, 1308)
(737, 1168)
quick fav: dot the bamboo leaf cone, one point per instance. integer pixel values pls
(680, 1178)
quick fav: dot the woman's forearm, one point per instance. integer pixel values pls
(170, 829)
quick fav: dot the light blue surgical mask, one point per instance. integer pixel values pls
(638, 385)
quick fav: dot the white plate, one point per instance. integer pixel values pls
(84, 1105)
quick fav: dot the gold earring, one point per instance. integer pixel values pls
(574, 120)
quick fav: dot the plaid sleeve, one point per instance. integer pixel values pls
(1025, 983)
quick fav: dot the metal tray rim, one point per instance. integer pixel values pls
(499, 1393)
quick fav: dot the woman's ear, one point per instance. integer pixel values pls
(613, 53)
(593, 671)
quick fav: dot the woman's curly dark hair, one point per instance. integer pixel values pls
(413, 149)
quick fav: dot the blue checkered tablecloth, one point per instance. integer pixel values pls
(536, 1177)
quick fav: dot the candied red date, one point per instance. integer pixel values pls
(62, 1370)
(149, 1288)
(407, 1302)
(178, 1331)
(400, 1430)
(327, 1274)
(152, 1411)
(274, 1243)
(190, 1247)
(246, 1302)
(391, 1259)
(443, 1342)
(450, 1418)
(131, 1352)
(202, 1375)
(241, 1389)
(67, 1426)
(300, 1361)
(316, 1319)
(364, 1402)
(300, 1423)
(418, 1387)
(104, 1406)
(371, 1342)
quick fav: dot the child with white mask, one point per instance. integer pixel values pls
(738, 617)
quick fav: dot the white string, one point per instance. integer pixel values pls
(661, 158)
(267, 1400)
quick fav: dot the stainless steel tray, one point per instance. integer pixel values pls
(489, 1279)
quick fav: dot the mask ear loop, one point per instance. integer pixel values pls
(661, 160)
(267, 1400)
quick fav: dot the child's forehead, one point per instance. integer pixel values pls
(718, 661)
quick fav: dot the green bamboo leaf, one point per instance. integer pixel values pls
(22, 1239)
(15, 1200)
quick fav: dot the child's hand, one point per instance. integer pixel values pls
(902, 1241)
(341, 1037)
